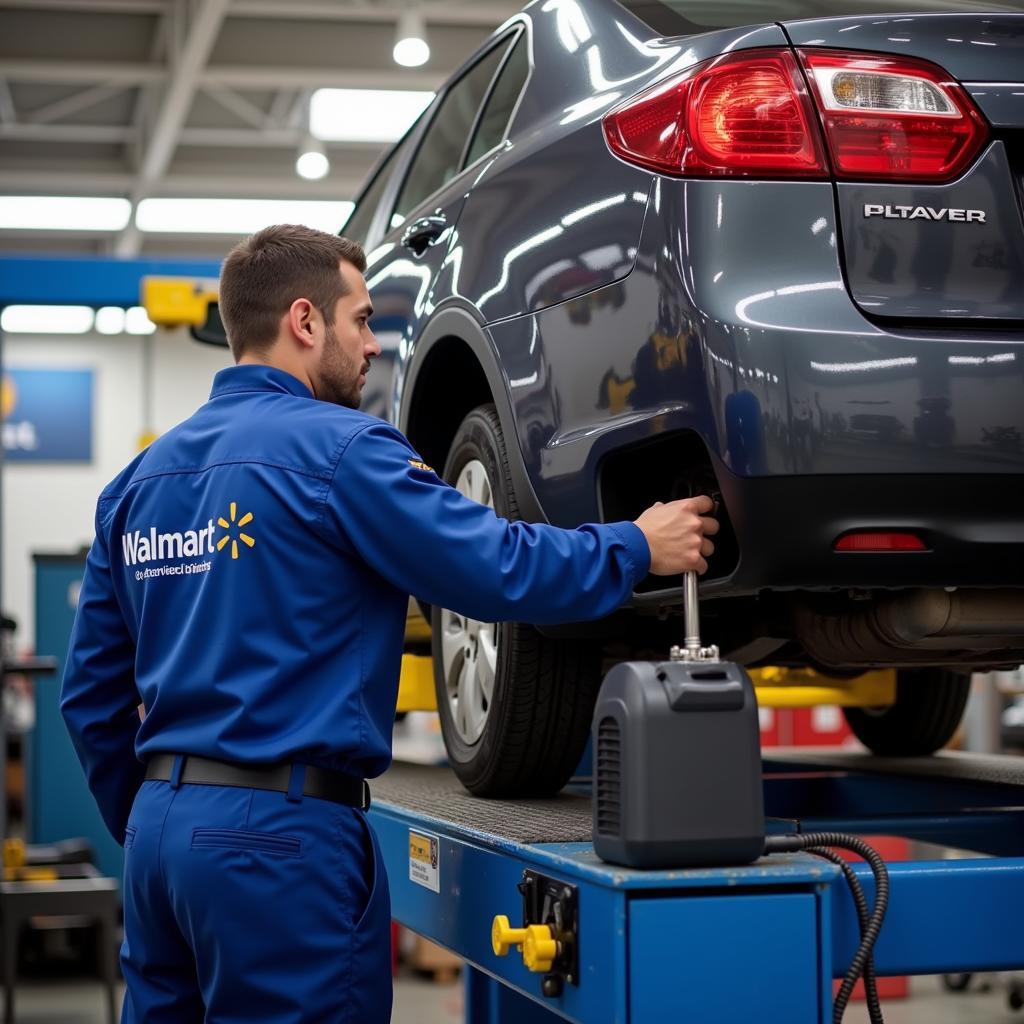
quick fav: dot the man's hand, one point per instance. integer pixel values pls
(677, 534)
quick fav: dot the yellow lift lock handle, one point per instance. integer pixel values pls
(538, 945)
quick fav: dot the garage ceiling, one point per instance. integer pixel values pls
(196, 98)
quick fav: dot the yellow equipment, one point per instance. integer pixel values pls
(178, 301)
(775, 687)
(535, 941)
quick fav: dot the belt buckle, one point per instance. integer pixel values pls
(365, 806)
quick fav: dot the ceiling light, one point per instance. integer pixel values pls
(365, 115)
(411, 49)
(136, 321)
(237, 216)
(46, 319)
(312, 163)
(64, 213)
(110, 320)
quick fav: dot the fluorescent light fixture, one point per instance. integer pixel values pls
(136, 321)
(237, 216)
(312, 163)
(411, 49)
(110, 320)
(365, 115)
(64, 213)
(46, 319)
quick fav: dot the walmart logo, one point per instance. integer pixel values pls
(235, 534)
(141, 546)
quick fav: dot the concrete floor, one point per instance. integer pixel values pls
(419, 1001)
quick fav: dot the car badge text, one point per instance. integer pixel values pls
(890, 212)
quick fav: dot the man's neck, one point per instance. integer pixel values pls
(288, 366)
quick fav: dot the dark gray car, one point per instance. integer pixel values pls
(769, 250)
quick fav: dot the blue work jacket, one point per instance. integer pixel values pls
(248, 586)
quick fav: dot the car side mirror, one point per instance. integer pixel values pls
(211, 331)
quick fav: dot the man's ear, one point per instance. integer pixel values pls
(301, 315)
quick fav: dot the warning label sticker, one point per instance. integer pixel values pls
(425, 860)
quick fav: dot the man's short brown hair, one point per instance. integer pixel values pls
(266, 273)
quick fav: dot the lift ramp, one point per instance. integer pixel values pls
(739, 944)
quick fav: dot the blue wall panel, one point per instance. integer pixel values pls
(60, 804)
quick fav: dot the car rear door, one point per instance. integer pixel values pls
(402, 268)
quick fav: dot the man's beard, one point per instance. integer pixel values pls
(339, 374)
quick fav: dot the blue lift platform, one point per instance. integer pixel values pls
(760, 943)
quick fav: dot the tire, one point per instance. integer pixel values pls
(956, 982)
(928, 708)
(527, 735)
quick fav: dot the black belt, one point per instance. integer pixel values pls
(319, 782)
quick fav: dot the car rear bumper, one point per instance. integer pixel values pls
(786, 529)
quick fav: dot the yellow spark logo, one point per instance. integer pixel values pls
(231, 527)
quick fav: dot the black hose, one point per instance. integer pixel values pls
(861, 903)
(795, 842)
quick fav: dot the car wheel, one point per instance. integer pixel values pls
(515, 706)
(928, 707)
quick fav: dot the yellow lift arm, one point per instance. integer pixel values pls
(775, 687)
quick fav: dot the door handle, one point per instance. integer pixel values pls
(423, 233)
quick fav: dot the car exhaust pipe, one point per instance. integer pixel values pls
(914, 626)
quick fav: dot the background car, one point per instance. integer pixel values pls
(768, 250)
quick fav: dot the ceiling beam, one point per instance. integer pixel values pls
(82, 72)
(227, 138)
(262, 77)
(282, 102)
(145, 97)
(233, 103)
(79, 133)
(73, 104)
(192, 186)
(482, 15)
(89, 6)
(8, 114)
(469, 15)
(270, 77)
(271, 138)
(177, 100)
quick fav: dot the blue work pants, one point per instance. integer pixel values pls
(245, 905)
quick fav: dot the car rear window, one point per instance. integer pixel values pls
(500, 104)
(440, 152)
(686, 17)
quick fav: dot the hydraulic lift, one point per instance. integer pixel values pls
(726, 945)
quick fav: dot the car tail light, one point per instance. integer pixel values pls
(893, 118)
(880, 541)
(744, 114)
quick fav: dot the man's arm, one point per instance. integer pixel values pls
(429, 540)
(99, 700)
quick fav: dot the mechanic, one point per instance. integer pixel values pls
(248, 586)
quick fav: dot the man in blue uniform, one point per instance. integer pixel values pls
(248, 587)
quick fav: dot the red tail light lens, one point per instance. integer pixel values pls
(893, 118)
(744, 114)
(879, 541)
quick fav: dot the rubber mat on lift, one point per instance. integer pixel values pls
(436, 792)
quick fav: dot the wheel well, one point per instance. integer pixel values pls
(663, 468)
(450, 384)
